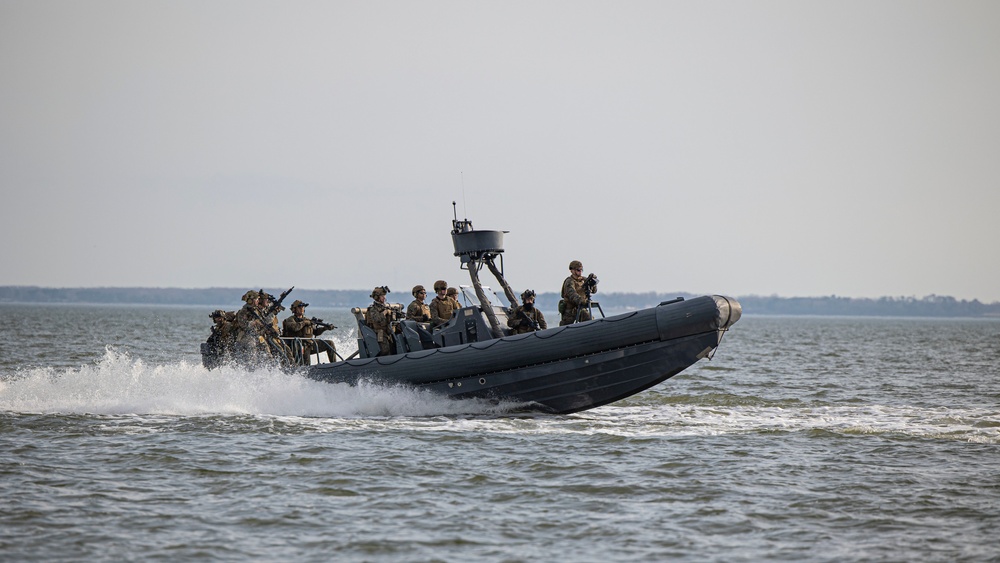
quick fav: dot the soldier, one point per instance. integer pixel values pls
(526, 318)
(453, 295)
(222, 341)
(272, 335)
(441, 307)
(573, 295)
(379, 316)
(265, 303)
(418, 310)
(250, 343)
(298, 326)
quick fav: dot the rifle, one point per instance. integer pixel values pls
(272, 337)
(276, 305)
(319, 323)
(531, 322)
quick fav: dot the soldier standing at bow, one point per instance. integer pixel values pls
(574, 296)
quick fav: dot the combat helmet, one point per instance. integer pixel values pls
(379, 292)
(250, 296)
(417, 289)
(527, 293)
(439, 285)
(576, 265)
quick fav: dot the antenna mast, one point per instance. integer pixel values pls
(465, 208)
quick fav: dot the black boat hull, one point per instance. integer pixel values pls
(560, 370)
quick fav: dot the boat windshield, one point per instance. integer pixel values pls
(467, 296)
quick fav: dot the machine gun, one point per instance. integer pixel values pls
(589, 288)
(320, 324)
(590, 285)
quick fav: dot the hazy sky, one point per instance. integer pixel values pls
(796, 148)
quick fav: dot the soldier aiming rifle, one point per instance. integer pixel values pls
(301, 334)
(320, 324)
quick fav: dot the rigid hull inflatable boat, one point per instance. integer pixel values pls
(560, 370)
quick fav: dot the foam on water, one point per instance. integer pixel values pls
(971, 425)
(120, 384)
(649, 421)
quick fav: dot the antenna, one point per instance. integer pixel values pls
(465, 208)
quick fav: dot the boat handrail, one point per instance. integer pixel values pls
(298, 344)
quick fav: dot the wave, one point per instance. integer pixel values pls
(121, 384)
(976, 425)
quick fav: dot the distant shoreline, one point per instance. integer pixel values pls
(930, 306)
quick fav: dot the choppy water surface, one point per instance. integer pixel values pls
(821, 439)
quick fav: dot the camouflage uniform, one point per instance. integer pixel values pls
(520, 325)
(574, 296)
(301, 327)
(379, 317)
(250, 343)
(453, 295)
(440, 305)
(418, 311)
(272, 334)
(222, 341)
(441, 310)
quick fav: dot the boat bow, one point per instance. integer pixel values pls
(676, 319)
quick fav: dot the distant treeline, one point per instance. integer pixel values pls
(930, 306)
(222, 297)
(229, 298)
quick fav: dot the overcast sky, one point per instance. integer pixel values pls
(793, 148)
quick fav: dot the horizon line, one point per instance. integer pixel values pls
(751, 295)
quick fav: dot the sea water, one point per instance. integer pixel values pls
(820, 439)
